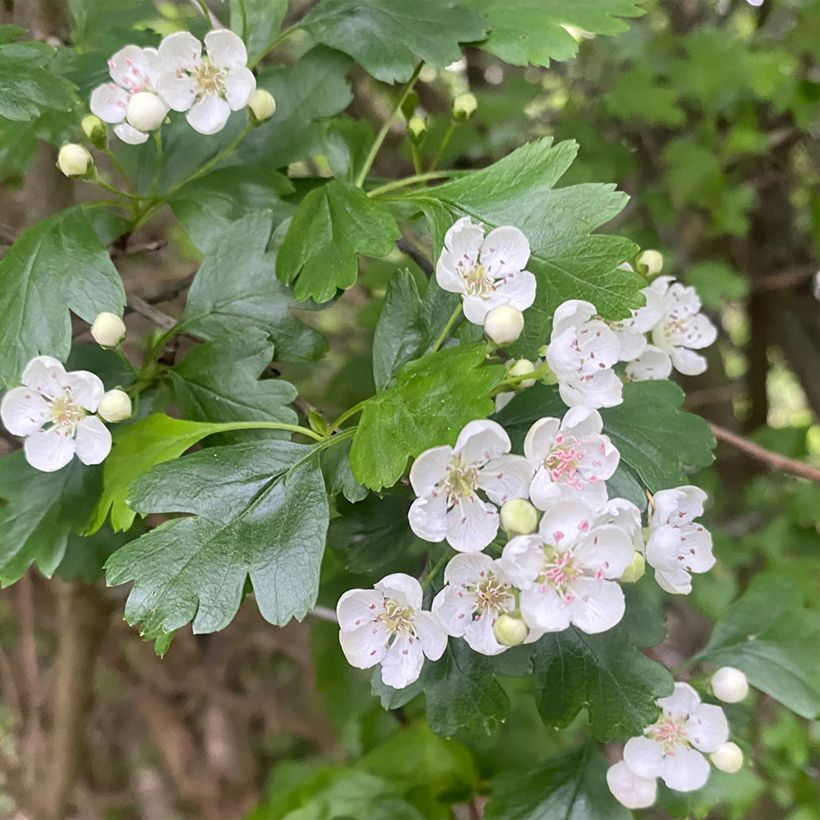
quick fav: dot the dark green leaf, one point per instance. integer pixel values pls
(338, 475)
(259, 23)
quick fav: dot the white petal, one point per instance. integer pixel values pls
(209, 115)
(564, 523)
(467, 568)
(629, 789)
(178, 91)
(226, 48)
(607, 549)
(644, 757)
(523, 559)
(93, 440)
(543, 609)
(505, 477)
(180, 50)
(476, 309)
(571, 313)
(707, 728)
(402, 588)
(683, 701)
(675, 581)
(633, 343)
(687, 361)
(479, 441)
(603, 389)
(505, 250)
(471, 525)
(544, 492)
(45, 375)
(453, 609)
(109, 102)
(664, 547)
(464, 239)
(480, 637)
(502, 400)
(128, 134)
(48, 450)
(446, 275)
(651, 365)
(596, 605)
(24, 411)
(646, 317)
(540, 439)
(358, 607)
(582, 422)
(239, 87)
(428, 517)
(403, 661)
(517, 289)
(86, 389)
(685, 771)
(432, 635)
(429, 469)
(679, 505)
(131, 68)
(366, 646)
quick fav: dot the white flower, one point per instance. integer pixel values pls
(387, 625)
(624, 514)
(677, 544)
(487, 271)
(581, 353)
(567, 571)
(447, 480)
(630, 790)
(671, 748)
(682, 328)
(730, 685)
(134, 70)
(571, 458)
(651, 365)
(53, 411)
(475, 594)
(207, 86)
(632, 332)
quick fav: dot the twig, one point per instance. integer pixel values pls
(324, 614)
(409, 249)
(135, 304)
(774, 460)
(33, 743)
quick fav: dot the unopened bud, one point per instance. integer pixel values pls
(115, 406)
(416, 128)
(504, 324)
(521, 368)
(146, 111)
(728, 758)
(730, 684)
(262, 105)
(518, 517)
(510, 630)
(636, 569)
(108, 329)
(74, 160)
(94, 130)
(650, 263)
(464, 106)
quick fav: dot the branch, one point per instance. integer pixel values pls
(135, 304)
(409, 249)
(774, 460)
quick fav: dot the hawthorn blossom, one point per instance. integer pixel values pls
(682, 328)
(628, 789)
(677, 544)
(475, 594)
(486, 271)
(208, 86)
(632, 332)
(571, 458)
(134, 70)
(447, 481)
(581, 353)
(671, 748)
(54, 411)
(652, 364)
(387, 625)
(566, 572)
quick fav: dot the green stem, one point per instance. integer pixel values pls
(100, 183)
(158, 170)
(437, 567)
(276, 425)
(118, 166)
(415, 155)
(204, 9)
(536, 375)
(404, 183)
(445, 331)
(351, 411)
(443, 144)
(283, 35)
(380, 137)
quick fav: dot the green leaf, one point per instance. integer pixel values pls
(332, 226)
(235, 291)
(568, 262)
(770, 636)
(55, 267)
(28, 86)
(534, 31)
(389, 38)
(218, 381)
(432, 399)
(338, 475)
(570, 787)
(85, 556)
(639, 94)
(258, 510)
(39, 512)
(259, 24)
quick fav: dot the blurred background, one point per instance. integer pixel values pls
(707, 113)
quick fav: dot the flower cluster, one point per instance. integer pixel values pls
(148, 82)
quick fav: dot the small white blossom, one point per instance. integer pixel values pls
(677, 544)
(447, 481)
(387, 625)
(567, 571)
(134, 70)
(632, 332)
(53, 410)
(208, 86)
(671, 748)
(730, 685)
(571, 458)
(487, 272)
(728, 758)
(581, 353)
(651, 365)
(476, 593)
(630, 790)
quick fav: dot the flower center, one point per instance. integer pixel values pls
(209, 78)
(670, 733)
(477, 282)
(460, 481)
(398, 618)
(564, 459)
(491, 595)
(559, 571)
(66, 413)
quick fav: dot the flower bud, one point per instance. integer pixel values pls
(635, 570)
(417, 128)
(730, 684)
(108, 329)
(262, 105)
(504, 324)
(146, 111)
(518, 517)
(728, 758)
(74, 160)
(115, 406)
(650, 263)
(510, 630)
(521, 368)
(94, 130)
(464, 106)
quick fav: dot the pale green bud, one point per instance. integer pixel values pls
(521, 368)
(74, 160)
(417, 128)
(636, 569)
(518, 517)
(650, 263)
(504, 324)
(94, 130)
(115, 406)
(262, 105)
(464, 106)
(510, 630)
(108, 329)
(728, 758)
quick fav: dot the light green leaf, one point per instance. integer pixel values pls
(55, 267)
(432, 399)
(389, 38)
(639, 94)
(768, 634)
(333, 225)
(257, 510)
(261, 22)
